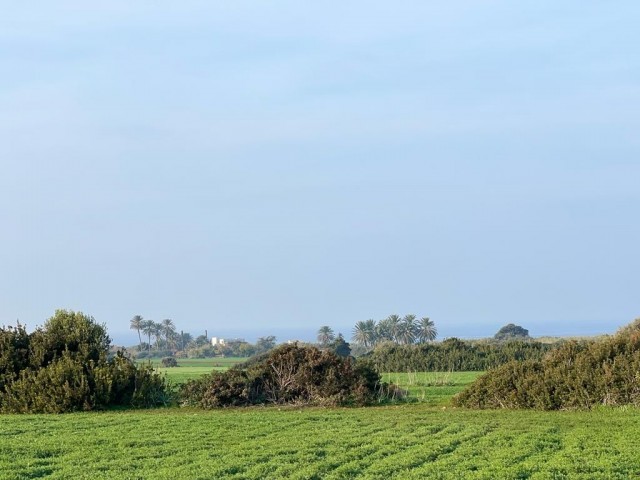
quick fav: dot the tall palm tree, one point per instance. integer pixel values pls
(148, 328)
(168, 330)
(406, 332)
(157, 333)
(427, 331)
(325, 335)
(136, 324)
(383, 331)
(393, 326)
(364, 332)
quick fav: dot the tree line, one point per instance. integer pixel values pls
(405, 330)
(167, 341)
(453, 354)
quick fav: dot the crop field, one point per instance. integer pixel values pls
(410, 441)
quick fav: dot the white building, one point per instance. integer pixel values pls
(217, 341)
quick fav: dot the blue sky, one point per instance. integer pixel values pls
(253, 168)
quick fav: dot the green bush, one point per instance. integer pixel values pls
(290, 374)
(576, 375)
(64, 367)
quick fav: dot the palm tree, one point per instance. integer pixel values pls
(393, 326)
(383, 331)
(364, 332)
(407, 327)
(157, 333)
(136, 324)
(427, 331)
(325, 335)
(168, 329)
(148, 328)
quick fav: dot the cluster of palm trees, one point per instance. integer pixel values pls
(405, 330)
(163, 332)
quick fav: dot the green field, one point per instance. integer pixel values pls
(190, 368)
(424, 438)
(431, 388)
(411, 441)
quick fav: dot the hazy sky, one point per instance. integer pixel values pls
(270, 167)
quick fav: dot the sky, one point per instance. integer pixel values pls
(255, 168)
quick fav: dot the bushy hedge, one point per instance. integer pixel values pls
(290, 374)
(64, 366)
(453, 355)
(576, 375)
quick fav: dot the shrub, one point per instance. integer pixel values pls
(576, 375)
(290, 374)
(169, 362)
(65, 367)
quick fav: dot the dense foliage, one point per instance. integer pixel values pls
(290, 374)
(64, 366)
(453, 355)
(577, 375)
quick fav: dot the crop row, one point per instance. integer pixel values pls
(406, 441)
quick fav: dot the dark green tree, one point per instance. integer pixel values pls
(510, 332)
(340, 347)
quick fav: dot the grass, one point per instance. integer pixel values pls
(432, 388)
(190, 368)
(421, 439)
(411, 441)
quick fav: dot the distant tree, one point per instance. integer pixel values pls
(406, 329)
(511, 331)
(168, 330)
(136, 324)
(185, 339)
(426, 331)
(364, 333)
(148, 327)
(340, 347)
(384, 331)
(201, 340)
(325, 335)
(393, 327)
(157, 334)
(264, 344)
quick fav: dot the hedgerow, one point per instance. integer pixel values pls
(454, 354)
